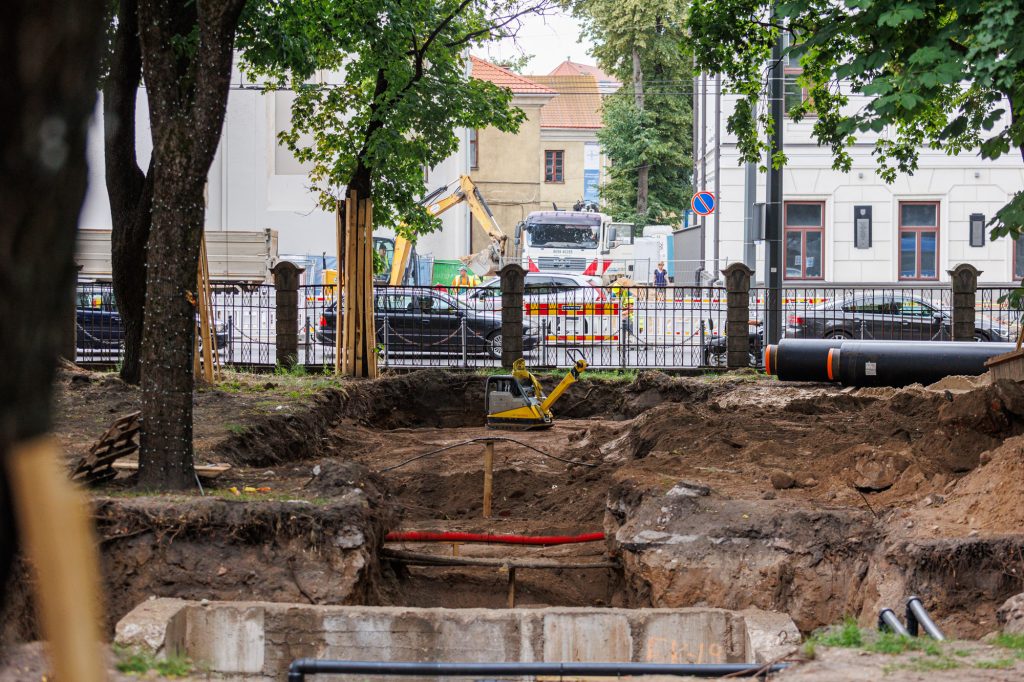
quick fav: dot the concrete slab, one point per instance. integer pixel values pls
(250, 641)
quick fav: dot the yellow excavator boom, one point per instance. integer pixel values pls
(468, 192)
(571, 378)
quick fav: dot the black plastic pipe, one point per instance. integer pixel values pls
(799, 359)
(899, 363)
(888, 620)
(917, 615)
(310, 666)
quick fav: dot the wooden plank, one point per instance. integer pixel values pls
(57, 535)
(359, 299)
(420, 559)
(488, 476)
(202, 302)
(371, 325)
(204, 265)
(348, 349)
(204, 470)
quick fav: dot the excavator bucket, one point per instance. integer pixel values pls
(483, 263)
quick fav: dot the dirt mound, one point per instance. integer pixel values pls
(335, 478)
(990, 499)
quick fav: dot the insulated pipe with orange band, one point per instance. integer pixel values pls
(832, 363)
(800, 359)
(900, 363)
(456, 536)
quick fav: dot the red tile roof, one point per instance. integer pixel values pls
(482, 69)
(578, 104)
(571, 68)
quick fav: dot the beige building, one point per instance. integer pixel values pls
(554, 159)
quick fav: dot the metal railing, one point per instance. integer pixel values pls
(615, 328)
(890, 313)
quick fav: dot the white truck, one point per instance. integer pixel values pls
(589, 243)
(234, 254)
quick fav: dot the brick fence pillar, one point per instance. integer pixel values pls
(737, 321)
(286, 285)
(513, 279)
(964, 279)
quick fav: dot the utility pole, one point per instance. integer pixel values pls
(773, 228)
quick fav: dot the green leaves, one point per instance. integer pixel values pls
(404, 89)
(926, 73)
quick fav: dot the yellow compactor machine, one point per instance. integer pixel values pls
(516, 401)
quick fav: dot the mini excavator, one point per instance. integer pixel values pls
(516, 401)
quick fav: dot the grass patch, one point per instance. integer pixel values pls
(846, 635)
(924, 664)
(237, 429)
(137, 662)
(1009, 641)
(998, 664)
(891, 643)
(272, 496)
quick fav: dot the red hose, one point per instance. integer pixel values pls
(454, 536)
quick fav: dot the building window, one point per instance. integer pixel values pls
(805, 239)
(1018, 258)
(474, 148)
(795, 94)
(919, 240)
(553, 165)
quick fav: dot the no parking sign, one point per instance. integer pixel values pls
(703, 203)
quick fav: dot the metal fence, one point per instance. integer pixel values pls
(882, 313)
(615, 328)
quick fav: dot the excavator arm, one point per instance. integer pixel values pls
(467, 191)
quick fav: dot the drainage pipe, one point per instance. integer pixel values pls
(455, 536)
(799, 359)
(916, 615)
(899, 363)
(888, 620)
(309, 666)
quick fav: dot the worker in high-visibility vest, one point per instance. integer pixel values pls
(621, 289)
(464, 280)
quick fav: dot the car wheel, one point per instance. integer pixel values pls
(494, 345)
(981, 336)
(837, 335)
(712, 359)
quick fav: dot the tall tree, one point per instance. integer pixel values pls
(52, 53)
(646, 133)
(404, 90)
(129, 190)
(187, 50)
(944, 74)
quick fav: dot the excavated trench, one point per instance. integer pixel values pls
(725, 493)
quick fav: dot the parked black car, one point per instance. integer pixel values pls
(889, 316)
(99, 324)
(426, 321)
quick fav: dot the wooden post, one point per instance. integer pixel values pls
(371, 322)
(203, 303)
(339, 232)
(358, 338)
(511, 587)
(488, 476)
(54, 524)
(211, 312)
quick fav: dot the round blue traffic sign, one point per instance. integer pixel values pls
(703, 203)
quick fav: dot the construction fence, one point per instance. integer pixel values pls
(636, 327)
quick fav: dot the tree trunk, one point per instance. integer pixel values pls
(166, 455)
(51, 54)
(129, 190)
(188, 93)
(643, 171)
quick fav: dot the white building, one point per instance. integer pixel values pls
(854, 227)
(255, 183)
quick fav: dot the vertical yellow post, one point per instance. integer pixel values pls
(54, 525)
(488, 476)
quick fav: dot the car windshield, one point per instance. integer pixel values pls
(556, 235)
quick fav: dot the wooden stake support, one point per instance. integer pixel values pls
(58, 539)
(488, 476)
(511, 587)
(205, 305)
(356, 337)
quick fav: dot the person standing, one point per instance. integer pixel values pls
(660, 281)
(463, 280)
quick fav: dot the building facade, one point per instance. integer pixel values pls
(256, 184)
(853, 227)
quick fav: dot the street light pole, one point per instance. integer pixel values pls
(774, 209)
